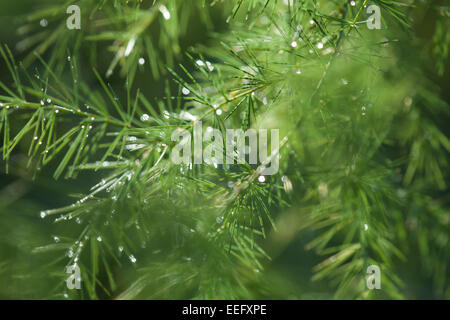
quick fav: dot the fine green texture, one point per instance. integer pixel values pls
(87, 116)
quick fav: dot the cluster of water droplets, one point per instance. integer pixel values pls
(134, 145)
(208, 65)
(75, 250)
(131, 257)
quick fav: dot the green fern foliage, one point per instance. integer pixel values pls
(364, 147)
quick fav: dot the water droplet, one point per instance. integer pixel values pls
(120, 249)
(261, 179)
(218, 112)
(165, 12)
(56, 239)
(210, 66)
(166, 114)
(298, 71)
(320, 45)
(287, 184)
(366, 227)
(145, 117)
(130, 47)
(132, 258)
(43, 214)
(185, 91)
(43, 23)
(352, 3)
(69, 58)
(141, 61)
(294, 44)
(408, 101)
(99, 239)
(323, 189)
